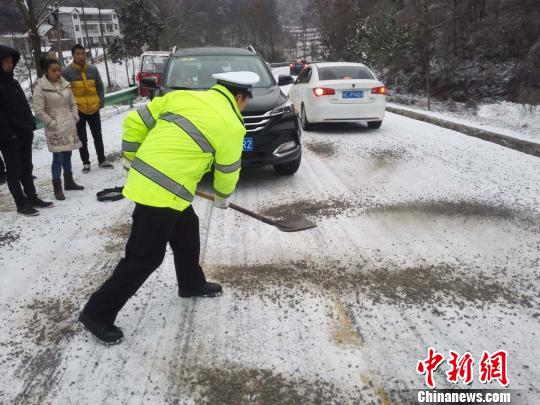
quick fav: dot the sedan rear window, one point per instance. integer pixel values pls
(345, 73)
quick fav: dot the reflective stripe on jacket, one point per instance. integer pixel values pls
(87, 87)
(173, 141)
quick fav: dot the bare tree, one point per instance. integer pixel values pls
(34, 14)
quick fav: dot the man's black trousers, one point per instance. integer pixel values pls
(18, 158)
(94, 121)
(152, 229)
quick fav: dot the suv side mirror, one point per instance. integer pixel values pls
(285, 80)
(150, 82)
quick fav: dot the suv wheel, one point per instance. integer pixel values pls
(306, 125)
(374, 124)
(289, 168)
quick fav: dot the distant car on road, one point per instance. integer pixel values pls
(152, 65)
(297, 66)
(338, 92)
(272, 126)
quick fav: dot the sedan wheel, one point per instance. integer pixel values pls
(306, 126)
(374, 124)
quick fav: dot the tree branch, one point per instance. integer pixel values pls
(60, 3)
(181, 26)
(43, 8)
(23, 8)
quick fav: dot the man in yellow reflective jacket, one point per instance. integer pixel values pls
(168, 146)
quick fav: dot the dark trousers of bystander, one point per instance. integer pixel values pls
(151, 230)
(94, 121)
(17, 154)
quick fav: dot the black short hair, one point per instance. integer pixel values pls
(236, 90)
(45, 64)
(75, 47)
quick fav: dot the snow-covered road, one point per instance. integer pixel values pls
(425, 238)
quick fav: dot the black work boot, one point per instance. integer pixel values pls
(208, 290)
(3, 178)
(69, 183)
(106, 165)
(27, 210)
(58, 192)
(106, 334)
(37, 202)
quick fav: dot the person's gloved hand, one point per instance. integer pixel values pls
(219, 202)
(126, 164)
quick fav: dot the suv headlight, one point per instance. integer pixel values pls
(285, 108)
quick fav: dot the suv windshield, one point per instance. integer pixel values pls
(344, 73)
(195, 72)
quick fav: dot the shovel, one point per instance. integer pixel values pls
(294, 223)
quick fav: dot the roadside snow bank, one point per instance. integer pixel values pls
(505, 138)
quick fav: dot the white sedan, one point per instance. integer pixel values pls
(338, 92)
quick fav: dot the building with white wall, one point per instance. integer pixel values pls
(76, 22)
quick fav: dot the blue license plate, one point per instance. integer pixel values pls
(248, 144)
(352, 94)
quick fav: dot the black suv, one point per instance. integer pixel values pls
(273, 131)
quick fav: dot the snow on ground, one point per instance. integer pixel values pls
(425, 237)
(512, 119)
(118, 74)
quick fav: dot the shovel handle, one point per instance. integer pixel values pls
(238, 208)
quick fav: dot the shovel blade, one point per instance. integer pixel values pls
(295, 223)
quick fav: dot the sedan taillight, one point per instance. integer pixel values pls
(323, 91)
(379, 90)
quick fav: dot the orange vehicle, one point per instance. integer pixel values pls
(152, 65)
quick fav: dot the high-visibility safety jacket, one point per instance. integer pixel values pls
(87, 87)
(173, 141)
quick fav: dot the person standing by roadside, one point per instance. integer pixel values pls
(16, 135)
(54, 104)
(89, 93)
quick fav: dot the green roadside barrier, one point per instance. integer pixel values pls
(121, 96)
(117, 97)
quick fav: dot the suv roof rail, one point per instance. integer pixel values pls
(250, 48)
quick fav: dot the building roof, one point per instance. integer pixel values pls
(44, 29)
(156, 53)
(87, 10)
